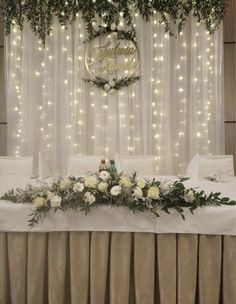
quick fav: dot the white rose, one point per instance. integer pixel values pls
(104, 175)
(113, 26)
(89, 198)
(189, 196)
(126, 182)
(90, 181)
(55, 201)
(65, 183)
(112, 91)
(39, 202)
(116, 190)
(107, 87)
(102, 187)
(112, 83)
(78, 187)
(153, 193)
(50, 194)
(95, 25)
(141, 183)
(165, 186)
(138, 193)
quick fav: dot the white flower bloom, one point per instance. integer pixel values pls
(138, 193)
(119, 27)
(113, 26)
(116, 190)
(126, 182)
(189, 196)
(112, 91)
(39, 202)
(153, 193)
(104, 175)
(165, 186)
(78, 187)
(89, 198)
(141, 183)
(55, 201)
(50, 194)
(107, 87)
(65, 183)
(90, 181)
(102, 187)
(95, 25)
(112, 83)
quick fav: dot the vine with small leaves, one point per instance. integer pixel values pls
(40, 14)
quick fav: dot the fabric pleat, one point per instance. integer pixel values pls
(17, 257)
(79, 267)
(166, 248)
(4, 274)
(99, 266)
(144, 267)
(209, 269)
(36, 263)
(57, 262)
(120, 267)
(187, 268)
(229, 270)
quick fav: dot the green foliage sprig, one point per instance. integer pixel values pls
(40, 13)
(115, 84)
(114, 190)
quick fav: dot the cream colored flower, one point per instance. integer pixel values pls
(141, 183)
(55, 201)
(138, 193)
(65, 183)
(116, 190)
(107, 87)
(102, 187)
(153, 192)
(104, 175)
(78, 187)
(89, 198)
(112, 83)
(125, 182)
(113, 26)
(189, 196)
(39, 202)
(90, 181)
(50, 194)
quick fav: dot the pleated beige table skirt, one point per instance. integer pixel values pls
(116, 268)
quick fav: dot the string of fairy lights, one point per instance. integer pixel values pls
(174, 120)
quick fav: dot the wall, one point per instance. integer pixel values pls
(3, 125)
(230, 78)
(230, 83)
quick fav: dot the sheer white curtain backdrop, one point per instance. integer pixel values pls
(174, 111)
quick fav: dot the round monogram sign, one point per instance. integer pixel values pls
(108, 57)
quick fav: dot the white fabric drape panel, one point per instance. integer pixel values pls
(112, 267)
(174, 111)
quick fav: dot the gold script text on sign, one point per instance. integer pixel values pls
(109, 55)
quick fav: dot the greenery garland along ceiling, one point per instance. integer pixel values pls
(40, 15)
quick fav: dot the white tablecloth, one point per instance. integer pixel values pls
(206, 220)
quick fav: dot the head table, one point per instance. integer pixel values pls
(114, 256)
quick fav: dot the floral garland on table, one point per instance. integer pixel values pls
(85, 193)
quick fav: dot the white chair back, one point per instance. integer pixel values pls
(83, 164)
(143, 165)
(203, 166)
(16, 165)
